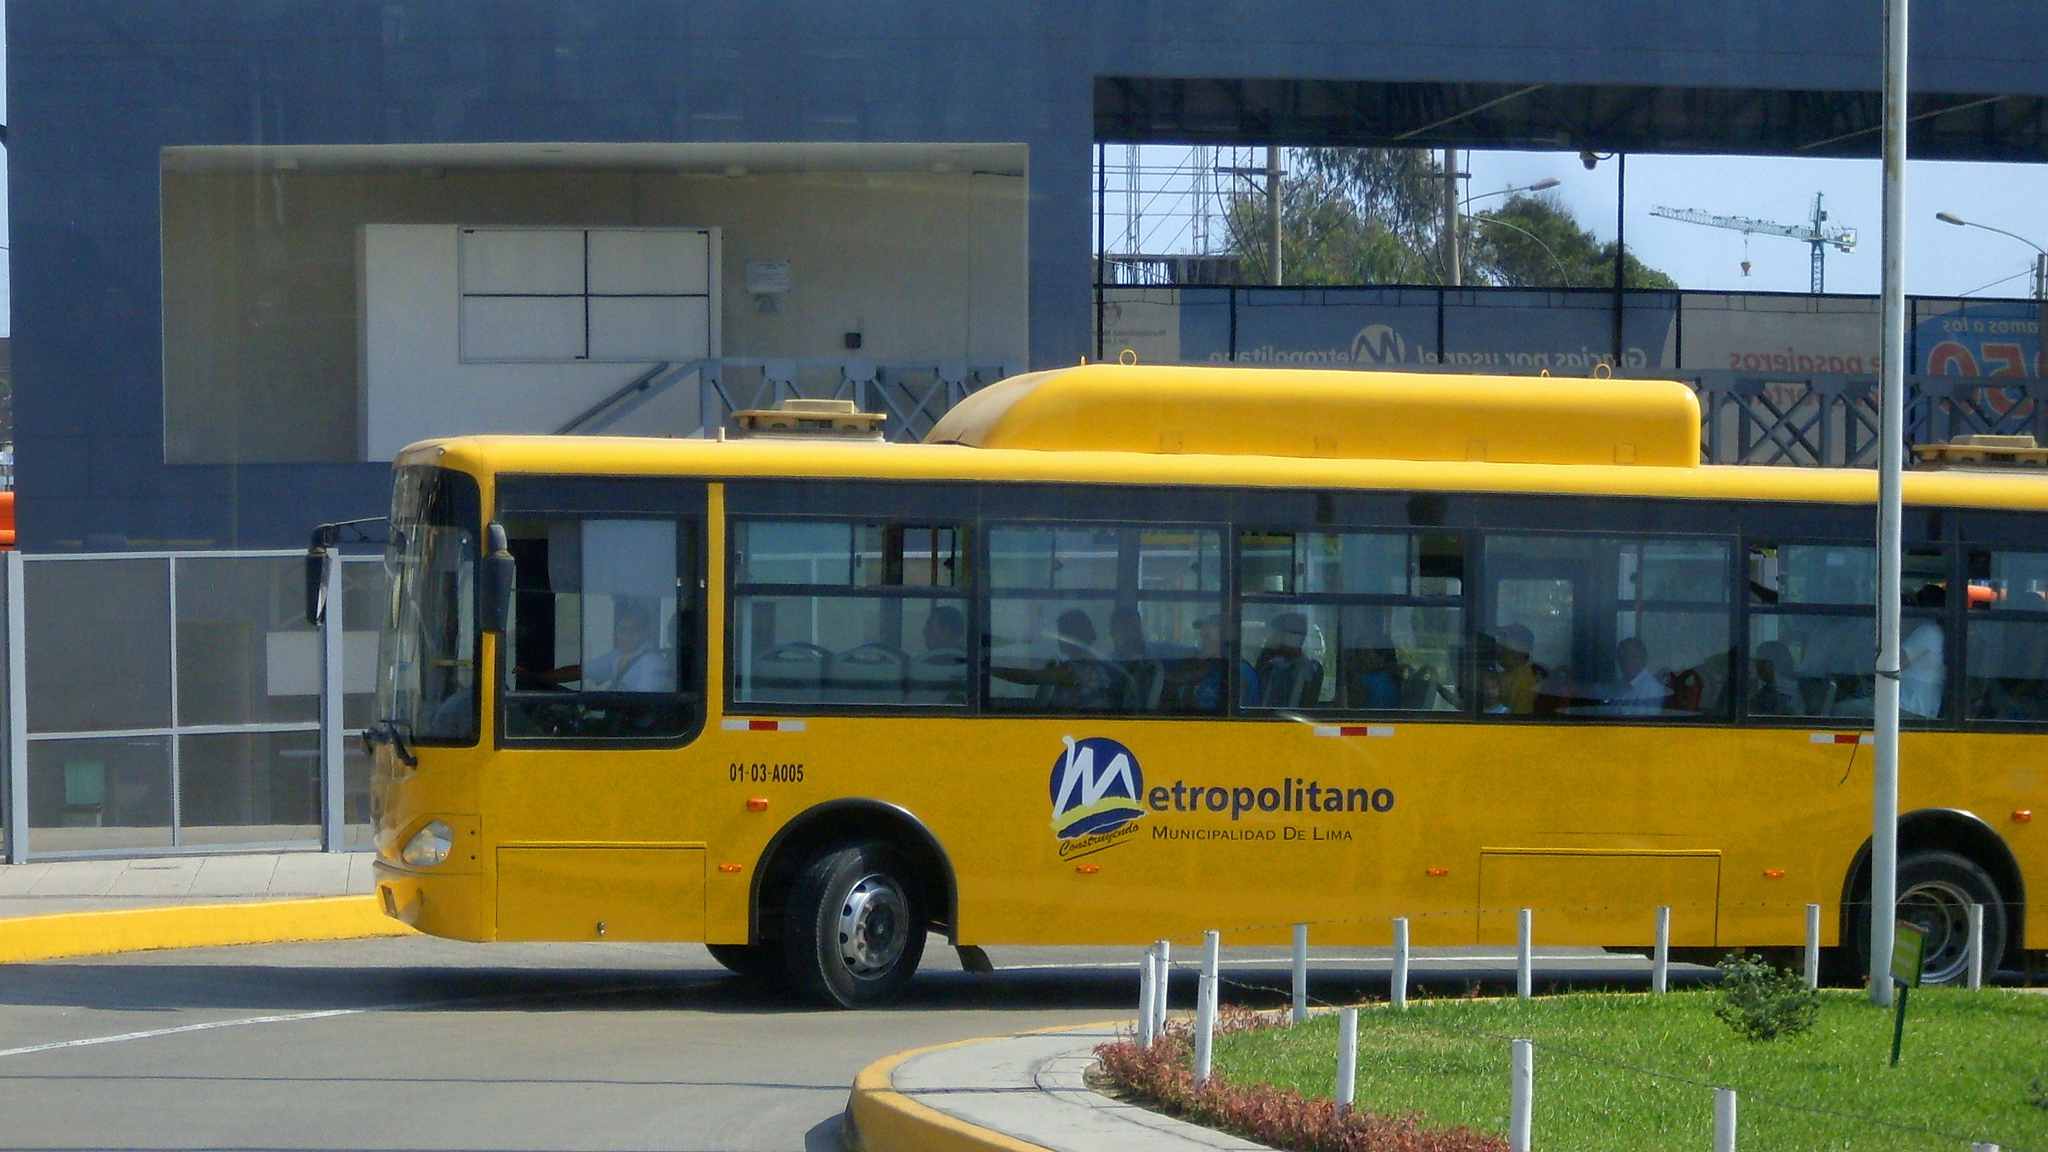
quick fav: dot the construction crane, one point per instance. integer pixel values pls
(1817, 232)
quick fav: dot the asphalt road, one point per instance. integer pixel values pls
(426, 1044)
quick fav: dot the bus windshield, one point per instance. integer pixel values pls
(426, 692)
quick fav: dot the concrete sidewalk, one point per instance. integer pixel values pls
(1016, 1093)
(41, 889)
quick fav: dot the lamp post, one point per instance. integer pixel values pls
(1563, 273)
(1455, 260)
(2040, 253)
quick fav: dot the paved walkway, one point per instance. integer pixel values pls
(1031, 1088)
(94, 885)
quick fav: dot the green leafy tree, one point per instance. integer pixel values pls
(1375, 216)
(1533, 241)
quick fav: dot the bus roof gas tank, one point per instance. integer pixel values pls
(1238, 411)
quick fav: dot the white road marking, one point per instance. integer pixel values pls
(210, 1025)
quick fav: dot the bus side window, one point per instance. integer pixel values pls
(599, 646)
(843, 613)
(2006, 678)
(1351, 621)
(1810, 620)
(1110, 619)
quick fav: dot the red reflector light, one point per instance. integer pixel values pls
(729, 869)
(1087, 869)
(1436, 871)
(2022, 815)
(757, 803)
(1774, 873)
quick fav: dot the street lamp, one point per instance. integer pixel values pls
(1564, 274)
(2040, 260)
(1455, 261)
(1543, 185)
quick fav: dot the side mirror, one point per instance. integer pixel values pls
(316, 576)
(498, 580)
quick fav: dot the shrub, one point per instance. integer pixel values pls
(1763, 1002)
(1162, 1076)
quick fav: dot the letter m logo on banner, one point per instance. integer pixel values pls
(1096, 784)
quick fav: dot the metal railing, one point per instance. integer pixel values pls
(170, 702)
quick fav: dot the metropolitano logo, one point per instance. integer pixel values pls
(1096, 789)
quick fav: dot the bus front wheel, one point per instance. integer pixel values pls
(856, 926)
(1936, 890)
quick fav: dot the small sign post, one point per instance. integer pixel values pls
(1909, 953)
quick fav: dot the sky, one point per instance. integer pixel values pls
(1941, 259)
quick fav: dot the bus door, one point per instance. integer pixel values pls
(1590, 646)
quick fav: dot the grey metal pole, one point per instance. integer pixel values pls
(1660, 952)
(333, 796)
(17, 712)
(1884, 817)
(1273, 209)
(1521, 1092)
(1454, 265)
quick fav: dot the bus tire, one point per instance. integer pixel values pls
(753, 961)
(855, 926)
(1935, 892)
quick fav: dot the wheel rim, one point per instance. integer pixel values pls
(874, 926)
(1942, 911)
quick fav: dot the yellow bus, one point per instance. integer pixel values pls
(1122, 653)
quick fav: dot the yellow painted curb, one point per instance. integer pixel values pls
(881, 1119)
(28, 938)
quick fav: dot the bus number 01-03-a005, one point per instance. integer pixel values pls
(765, 773)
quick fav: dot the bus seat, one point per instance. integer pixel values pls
(790, 673)
(869, 674)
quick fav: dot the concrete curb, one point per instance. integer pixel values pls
(29, 938)
(881, 1119)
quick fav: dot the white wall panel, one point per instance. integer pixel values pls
(633, 328)
(627, 260)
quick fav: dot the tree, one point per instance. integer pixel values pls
(1533, 241)
(1375, 216)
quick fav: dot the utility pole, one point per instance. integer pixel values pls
(1273, 208)
(1454, 266)
(1884, 805)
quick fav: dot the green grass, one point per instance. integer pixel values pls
(1975, 1068)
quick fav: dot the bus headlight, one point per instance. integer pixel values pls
(429, 846)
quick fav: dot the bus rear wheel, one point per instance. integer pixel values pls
(1936, 890)
(855, 926)
(754, 961)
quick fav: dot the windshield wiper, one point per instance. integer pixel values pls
(386, 732)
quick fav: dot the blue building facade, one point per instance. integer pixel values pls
(100, 89)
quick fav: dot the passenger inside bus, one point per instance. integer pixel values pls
(1288, 677)
(1517, 678)
(1922, 670)
(1776, 692)
(1211, 687)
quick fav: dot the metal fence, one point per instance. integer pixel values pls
(1831, 420)
(168, 702)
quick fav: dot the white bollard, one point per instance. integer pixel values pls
(1660, 957)
(1212, 954)
(1724, 1120)
(1163, 951)
(1521, 1092)
(1300, 973)
(1524, 979)
(1976, 946)
(1984, 1147)
(1813, 945)
(1148, 994)
(1205, 1026)
(1347, 1059)
(1400, 984)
